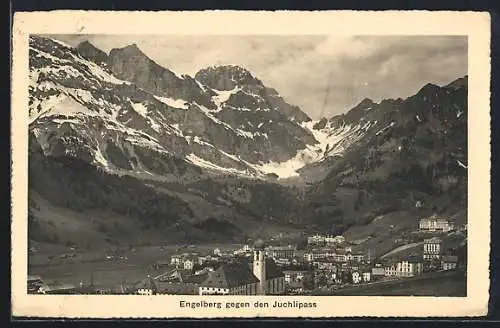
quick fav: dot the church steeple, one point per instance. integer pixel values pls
(259, 266)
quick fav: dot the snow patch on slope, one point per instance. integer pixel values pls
(99, 158)
(96, 70)
(385, 128)
(198, 161)
(175, 103)
(142, 110)
(223, 96)
(68, 106)
(289, 168)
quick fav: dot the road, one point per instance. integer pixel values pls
(402, 248)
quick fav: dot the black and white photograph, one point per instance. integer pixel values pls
(248, 165)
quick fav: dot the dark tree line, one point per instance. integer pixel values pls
(75, 184)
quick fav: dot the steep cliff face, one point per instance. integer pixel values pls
(146, 111)
(88, 51)
(131, 64)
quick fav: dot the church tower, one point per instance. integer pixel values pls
(259, 267)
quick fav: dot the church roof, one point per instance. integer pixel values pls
(272, 270)
(230, 275)
(240, 273)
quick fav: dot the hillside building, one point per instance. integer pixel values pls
(408, 268)
(378, 270)
(432, 248)
(449, 262)
(403, 268)
(337, 240)
(280, 252)
(328, 239)
(434, 224)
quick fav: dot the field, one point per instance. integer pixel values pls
(452, 283)
(127, 268)
(97, 229)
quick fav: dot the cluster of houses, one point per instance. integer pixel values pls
(326, 262)
(189, 261)
(433, 258)
(261, 270)
(256, 274)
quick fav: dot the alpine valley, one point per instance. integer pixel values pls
(125, 151)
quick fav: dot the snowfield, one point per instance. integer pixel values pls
(66, 104)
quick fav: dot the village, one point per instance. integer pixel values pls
(322, 265)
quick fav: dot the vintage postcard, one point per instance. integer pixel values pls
(250, 164)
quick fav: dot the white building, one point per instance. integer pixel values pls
(409, 268)
(144, 291)
(434, 223)
(147, 287)
(316, 239)
(335, 240)
(328, 239)
(176, 260)
(309, 256)
(188, 264)
(404, 268)
(294, 276)
(391, 270)
(378, 270)
(449, 262)
(356, 277)
(432, 248)
(280, 252)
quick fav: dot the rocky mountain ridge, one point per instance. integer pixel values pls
(148, 140)
(237, 131)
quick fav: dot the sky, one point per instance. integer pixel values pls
(324, 75)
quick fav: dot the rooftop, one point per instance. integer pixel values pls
(34, 277)
(58, 286)
(433, 240)
(229, 276)
(450, 258)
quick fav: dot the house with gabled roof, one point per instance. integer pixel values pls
(260, 277)
(175, 282)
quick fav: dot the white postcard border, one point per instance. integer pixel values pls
(475, 25)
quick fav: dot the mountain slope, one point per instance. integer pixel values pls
(97, 142)
(122, 136)
(154, 112)
(415, 150)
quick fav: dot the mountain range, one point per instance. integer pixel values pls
(123, 150)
